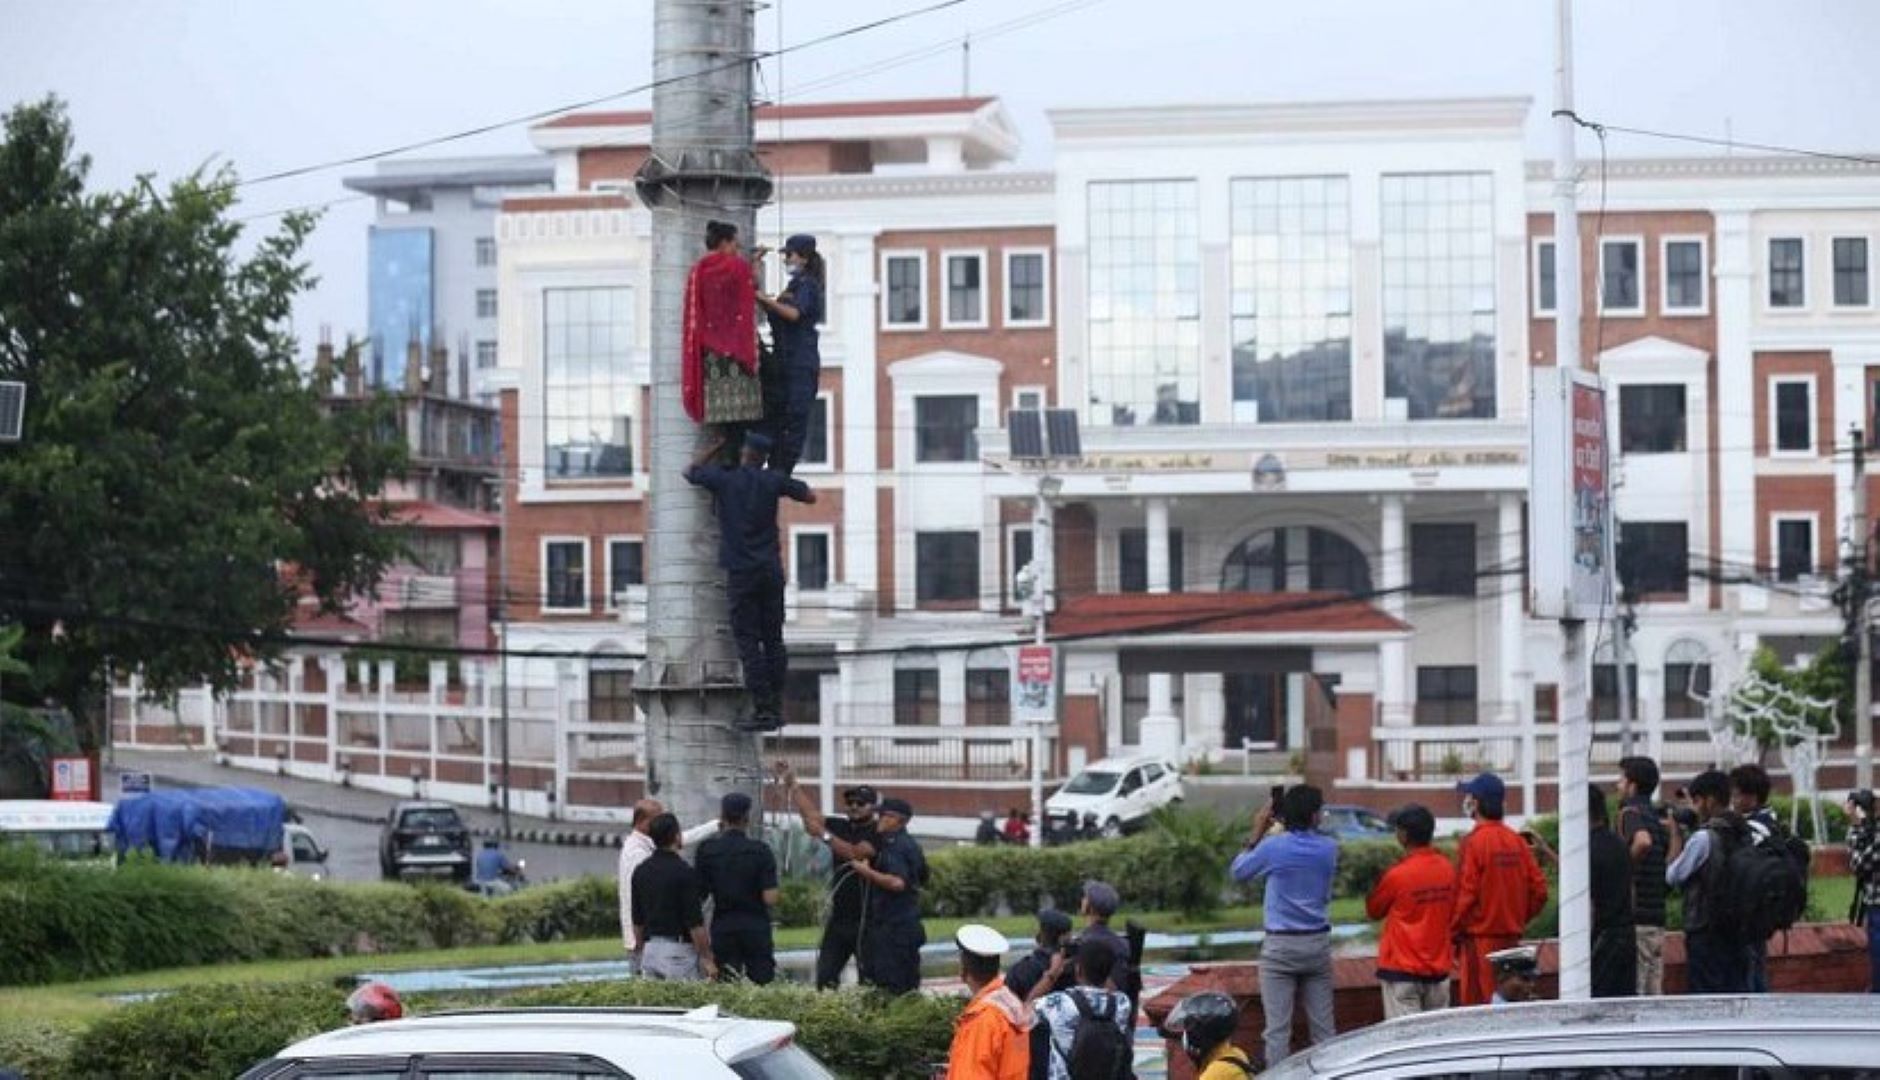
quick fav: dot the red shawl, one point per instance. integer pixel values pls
(719, 315)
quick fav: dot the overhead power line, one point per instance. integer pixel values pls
(1725, 144)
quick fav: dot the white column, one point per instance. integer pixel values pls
(1161, 728)
(861, 532)
(1734, 301)
(1393, 657)
(1507, 588)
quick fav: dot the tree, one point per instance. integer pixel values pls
(178, 488)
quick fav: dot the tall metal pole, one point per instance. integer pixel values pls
(1622, 648)
(702, 168)
(1861, 532)
(1041, 551)
(1576, 923)
(502, 656)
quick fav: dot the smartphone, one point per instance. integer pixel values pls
(1278, 792)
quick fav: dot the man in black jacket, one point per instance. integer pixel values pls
(1642, 829)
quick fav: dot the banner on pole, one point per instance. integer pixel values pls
(1034, 692)
(71, 779)
(1570, 548)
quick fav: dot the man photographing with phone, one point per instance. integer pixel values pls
(1863, 845)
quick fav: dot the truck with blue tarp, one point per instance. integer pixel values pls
(221, 825)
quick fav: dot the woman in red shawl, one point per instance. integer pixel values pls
(720, 314)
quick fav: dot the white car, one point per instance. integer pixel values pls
(552, 1044)
(1121, 792)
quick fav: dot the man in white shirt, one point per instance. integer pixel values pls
(635, 848)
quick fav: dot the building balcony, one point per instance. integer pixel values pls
(423, 592)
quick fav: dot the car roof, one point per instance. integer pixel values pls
(601, 1032)
(1128, 761)
(422, 804)
(1532, 1027)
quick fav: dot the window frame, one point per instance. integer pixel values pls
(496, 354)
(920, 257)
(920, 706)
(495, 305)
(1473, 702)
(483, 244)
(984, 321)
(1665, 307)
(1775, 412)
(587, 558)
(978, 706)
(1424, 587)
(828, 533)
(609, 602)
(828, 465)
(1177, 558)
(973, 591)
(1018, 392)
(1834, 273)
(1684, 394)
(1681, 594)
(1009, 544)
(1534, 264)
(1005, 287)
(971, 454)
(1769, 275)
(1795, 517)
(1644, 276)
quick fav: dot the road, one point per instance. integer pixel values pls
(353, 849)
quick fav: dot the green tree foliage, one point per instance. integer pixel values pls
(178, 483)
(1817, 695)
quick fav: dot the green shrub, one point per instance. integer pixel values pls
(799, 902)
(856, 1033)
(211, 1033)
(1834, 815)
(36, 1049)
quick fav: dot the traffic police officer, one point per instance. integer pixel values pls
(747, 495)
(794, 314)
(894, 933)
(740, 876)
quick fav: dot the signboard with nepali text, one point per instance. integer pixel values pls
(1034, 692)
(1570, 548)
(71, 779)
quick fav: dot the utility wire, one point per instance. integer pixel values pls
(1727, 144)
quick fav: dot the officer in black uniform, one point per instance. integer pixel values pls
(854, 836)
(895, 876)
(740, 876)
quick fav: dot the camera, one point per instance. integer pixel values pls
(1686, 818)
(1068, 946)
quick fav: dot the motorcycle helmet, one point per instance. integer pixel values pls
(372, 1003)
(1202, 1022)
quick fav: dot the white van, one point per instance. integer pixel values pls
(68, 830)
(1119, 793)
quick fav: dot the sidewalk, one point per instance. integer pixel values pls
(187, 769)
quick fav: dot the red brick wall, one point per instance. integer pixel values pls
(1818, 366)
(1597, 334)
(1798, 495)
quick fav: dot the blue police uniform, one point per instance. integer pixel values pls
(894, 933)
(798, 348)
(747, 551)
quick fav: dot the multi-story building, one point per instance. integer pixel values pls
(1298, 339)
(431, 259)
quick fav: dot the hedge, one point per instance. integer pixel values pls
(213, 1033)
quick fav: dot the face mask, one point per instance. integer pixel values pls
(1468, 806)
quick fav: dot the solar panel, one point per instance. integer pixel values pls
(12, 410)
(1060, 427)
(1027, 428)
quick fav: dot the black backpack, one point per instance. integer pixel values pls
(1763, 887)
(1099, 1050)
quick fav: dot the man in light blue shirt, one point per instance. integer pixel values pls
(1296, 957)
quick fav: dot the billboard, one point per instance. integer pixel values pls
(1570, 542)
(1034, 692)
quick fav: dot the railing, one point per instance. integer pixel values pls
(421, 592)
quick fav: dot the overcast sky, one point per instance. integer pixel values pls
(164, 86)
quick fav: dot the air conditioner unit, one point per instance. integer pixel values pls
(12, 410)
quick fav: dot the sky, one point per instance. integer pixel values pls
(165, 87)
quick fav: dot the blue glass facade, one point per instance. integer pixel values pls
(399, 283)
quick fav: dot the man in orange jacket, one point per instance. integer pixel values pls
(1416, 898)
(1500, 890)
(992, 1037)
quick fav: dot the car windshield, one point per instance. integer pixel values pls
(430, 817)
(1091, 783)
(783, 1063)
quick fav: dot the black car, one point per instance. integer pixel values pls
(424, 838)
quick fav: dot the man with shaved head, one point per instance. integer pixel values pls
(635, 848)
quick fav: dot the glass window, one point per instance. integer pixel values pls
(783, 1063)
(588, 397)
(1445, 695)
(1684, 275)
(1655, 558)
(626, 566)
(434, 552)
(1544, 277)
(1795, 421)
(399, 282)
(1787, 278)
(1284, 560)
(988, 695)
(802, 697)
(946, 566)
(1136, 706)
(816, 435)
(486, 354)
(907, 287)
(486, 251)
(1651, 419)
(812, 561)
(1028, 398)
(1024, 288)
(946, 428)
(1686, 687)
(966, 293)
(1144, 303)
(1439, 294)
(1020, 559)
(1442, 559)
(486, 303)
(610, 696)
(565, 575)
(1620, 267)
(1851, 287)
(1605, 702)
(917, 697)
(1291, 251)
(1795, 548)
(1132, 560)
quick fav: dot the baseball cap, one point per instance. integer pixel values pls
(981, 940)
(800, 244)
(1103, 897)
(1486, 787)
(896, 806)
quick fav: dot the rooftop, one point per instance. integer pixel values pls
(397, 178)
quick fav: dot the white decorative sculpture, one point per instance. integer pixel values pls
(1802, 727)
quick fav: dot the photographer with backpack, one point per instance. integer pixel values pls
(1086, 1032)
(1741, 886)
(1863, 847)
(1749, 797)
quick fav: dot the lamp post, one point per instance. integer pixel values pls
(1042, 585)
